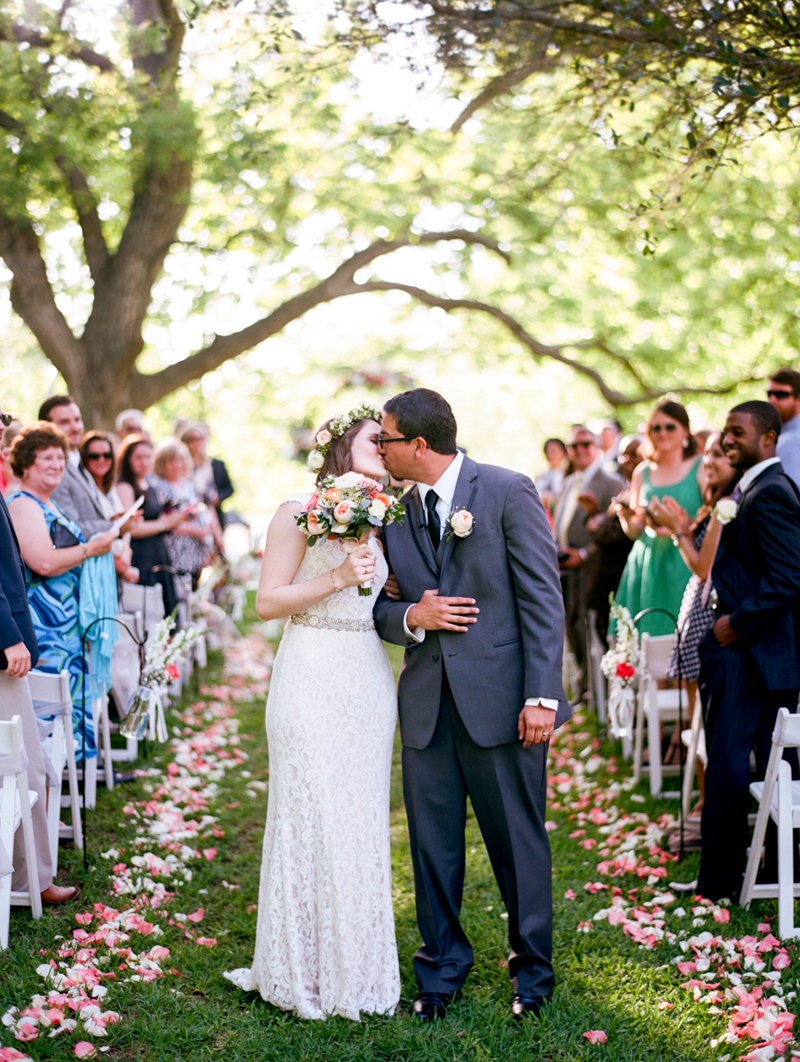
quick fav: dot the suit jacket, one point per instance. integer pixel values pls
(604, 487)
(77, 496)
(222, 484)
(15, 618)
(756, 575)
(508, 564)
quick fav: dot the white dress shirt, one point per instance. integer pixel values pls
(445, 487)
(756, 470)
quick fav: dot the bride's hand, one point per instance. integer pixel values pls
(392, 589)
(357, 569)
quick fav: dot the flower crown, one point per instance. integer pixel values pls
(337, 427)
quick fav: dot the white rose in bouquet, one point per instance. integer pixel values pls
(377, 509)
(461, 523)
(349, 479)
(315, 461)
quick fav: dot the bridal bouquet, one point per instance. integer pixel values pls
(159, 667)
(348, 506)
(621, 665)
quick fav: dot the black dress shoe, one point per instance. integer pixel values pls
(431, 1005)
(526, 1006)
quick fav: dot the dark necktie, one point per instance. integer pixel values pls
(431, 498)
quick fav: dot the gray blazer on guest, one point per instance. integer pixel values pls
(508, 564)
(77, 496)
(604, 487)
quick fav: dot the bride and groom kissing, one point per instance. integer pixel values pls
(477, 605)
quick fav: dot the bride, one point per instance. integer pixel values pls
(325, 941)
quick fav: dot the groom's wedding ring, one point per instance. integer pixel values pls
(545, 734)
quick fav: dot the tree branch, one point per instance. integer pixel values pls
(154, 386)
(74, 49)
(498, 86)
(544, 350)
(32, 297)
(94, 243)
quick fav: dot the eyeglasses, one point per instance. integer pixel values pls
(100, 457)
(384, 441)
(586, 445)
(779, 396)
(655, 429)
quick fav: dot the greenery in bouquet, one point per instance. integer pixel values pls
(348, 506)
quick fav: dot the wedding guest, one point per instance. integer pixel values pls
(8, 481)
(587, 484)
(211, 479)
(53, 548)
(610, 442)
(549, 483)
(191, 543)
(697, 541)
(97, 460)
(783, 392)
(76, 495)
(148, 537)
(130, 422)
(610, 546)
(18, 654)
(750, 658)
(655, 575)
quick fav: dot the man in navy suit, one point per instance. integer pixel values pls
(750, 659)
(482, 620)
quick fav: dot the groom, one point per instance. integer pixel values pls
(482, 620)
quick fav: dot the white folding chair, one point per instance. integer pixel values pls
(694, 739)
(596, 678)
(778, 799)
(16, 801)
(149, 600)
(125, 676)
(655, 706)
(51, 697)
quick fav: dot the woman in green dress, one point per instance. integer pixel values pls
(655, 574)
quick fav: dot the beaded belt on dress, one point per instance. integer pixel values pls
(308, 619)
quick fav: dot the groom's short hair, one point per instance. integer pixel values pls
(424, 414)
(764, 415)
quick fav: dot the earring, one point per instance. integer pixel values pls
(686, 443)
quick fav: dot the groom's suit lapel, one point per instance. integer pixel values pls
(422, 539)
(464, 495)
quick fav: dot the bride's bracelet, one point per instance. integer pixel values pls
(333, 580)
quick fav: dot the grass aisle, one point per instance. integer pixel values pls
(133, 971)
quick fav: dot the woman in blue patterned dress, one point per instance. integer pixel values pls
(53, 549)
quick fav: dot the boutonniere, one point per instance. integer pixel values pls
(726, 510)
(460, 523)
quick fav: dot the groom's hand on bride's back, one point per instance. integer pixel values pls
(435, 613)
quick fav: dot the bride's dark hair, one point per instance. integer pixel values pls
(337, 459)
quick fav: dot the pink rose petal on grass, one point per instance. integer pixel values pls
(196, 916)
(26, 1031)
(569, 895)
(83, 1049)
(595, 1036)
(84, 918)
(722, 915)
(764, 927)
(781, 960)
(207, 942)
(663, 1005)
(210, 853)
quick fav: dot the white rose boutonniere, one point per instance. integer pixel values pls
(726, 510)
(460, 523)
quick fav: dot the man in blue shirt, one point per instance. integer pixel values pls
(783, 391)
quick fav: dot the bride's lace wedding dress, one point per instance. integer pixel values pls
(325, 942)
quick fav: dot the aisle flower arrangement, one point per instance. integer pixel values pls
(621, 666)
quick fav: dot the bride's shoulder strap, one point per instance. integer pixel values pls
(296, 499)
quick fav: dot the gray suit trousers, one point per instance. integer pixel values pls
(15, 699)
(507, 787)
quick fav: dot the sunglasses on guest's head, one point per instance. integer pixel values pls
(780, 395)
(584, 444)
(6, 418)
(656, 428)
(106, 456)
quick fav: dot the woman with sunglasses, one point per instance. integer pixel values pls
(655, 574)
(97, 459)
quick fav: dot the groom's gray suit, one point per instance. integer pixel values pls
(460, 696)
